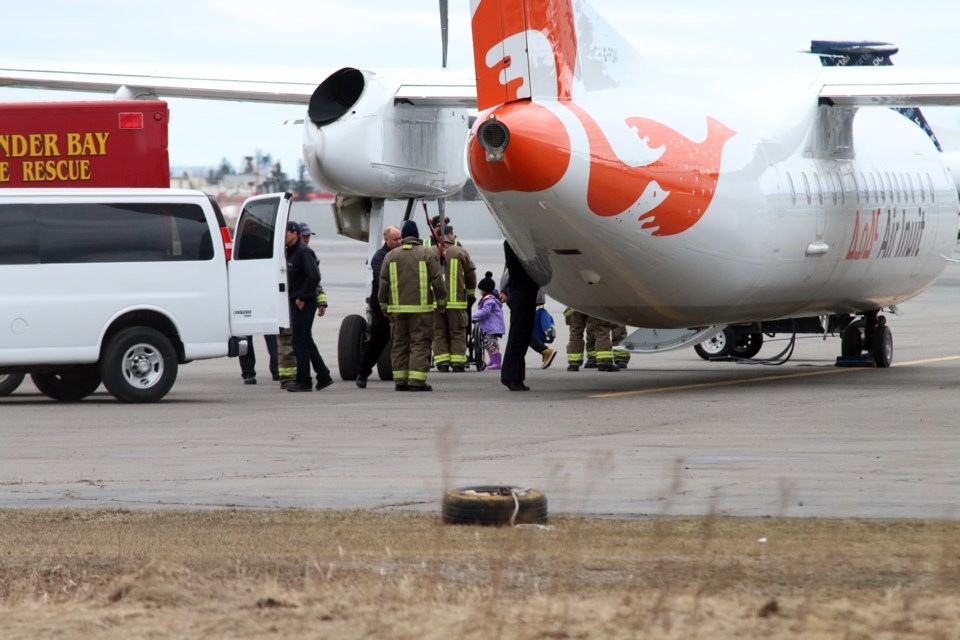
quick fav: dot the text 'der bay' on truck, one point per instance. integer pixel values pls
(121, 286)
(107, 143)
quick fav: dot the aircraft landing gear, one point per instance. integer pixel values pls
(867, 342)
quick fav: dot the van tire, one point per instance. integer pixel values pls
(349, 346)
(67, 385)
(494, 505)
(9, 383)
(139, 365)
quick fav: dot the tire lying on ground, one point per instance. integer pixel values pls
(494, 505)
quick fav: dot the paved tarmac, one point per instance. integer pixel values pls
(671, 435)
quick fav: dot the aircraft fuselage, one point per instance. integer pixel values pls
(652, 211)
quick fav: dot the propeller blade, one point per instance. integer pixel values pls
(444, 21)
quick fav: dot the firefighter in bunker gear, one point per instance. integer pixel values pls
(411, 287)
(598, 344)
(450, 328)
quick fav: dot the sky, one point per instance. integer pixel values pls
(319, 36)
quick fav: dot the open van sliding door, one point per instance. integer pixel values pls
(258, 267)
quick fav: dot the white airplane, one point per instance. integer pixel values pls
(697, 210)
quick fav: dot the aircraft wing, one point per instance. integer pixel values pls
(890, 87)
(413, 87)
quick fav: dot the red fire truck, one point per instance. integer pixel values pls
(84, 144)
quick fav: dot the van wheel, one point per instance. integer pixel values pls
(496, 505)
(9, 383)
(352, 331)
(384, 363)
(139, 365)
(68, 385)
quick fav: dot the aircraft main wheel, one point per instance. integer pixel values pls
(748, 345)
(68, 385)
(139, 365)
(349, 346)
(851, 341)
(719, 346)
(882, 348)
(9, 382)
(384, 363)
(495, 505)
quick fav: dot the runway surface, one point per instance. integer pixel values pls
(671, 435)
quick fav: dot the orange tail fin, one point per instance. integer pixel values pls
(523, 49)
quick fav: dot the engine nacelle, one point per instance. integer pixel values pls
(359, 140)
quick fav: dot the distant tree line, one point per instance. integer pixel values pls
(272, 178)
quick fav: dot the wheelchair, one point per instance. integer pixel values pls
(475, 352)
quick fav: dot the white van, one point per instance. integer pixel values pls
(121, 286)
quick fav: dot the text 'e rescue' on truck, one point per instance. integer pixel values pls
(106, 143)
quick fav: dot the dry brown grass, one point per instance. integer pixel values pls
(118, 574)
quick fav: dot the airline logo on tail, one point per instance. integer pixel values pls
(527, 50)
(508, 35)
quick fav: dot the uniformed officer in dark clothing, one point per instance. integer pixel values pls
(379, 323)
(521, 297)
(248, 362)
(303, 277)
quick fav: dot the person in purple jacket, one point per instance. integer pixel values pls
(489, 315)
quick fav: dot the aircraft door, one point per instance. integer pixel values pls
(258, 269)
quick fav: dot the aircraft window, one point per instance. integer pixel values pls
(933, 194)
(909, 193)
(840, 190)
(832, 186)
(793, 190)
(857, 186)
(806, 186)
(896, 188)
(919, 187)
(872, 189)
(817, 183)
(884, 185)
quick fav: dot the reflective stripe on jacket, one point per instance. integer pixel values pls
(461, 275)
(411, 279)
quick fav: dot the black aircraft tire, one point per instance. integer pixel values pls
(9, 382)
(352, 331)
(882, 347)
(384, 363)
(494, 505)
(851, 341)
(69, 385)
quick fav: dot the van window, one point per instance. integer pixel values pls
(84, 232)
(254, 239)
